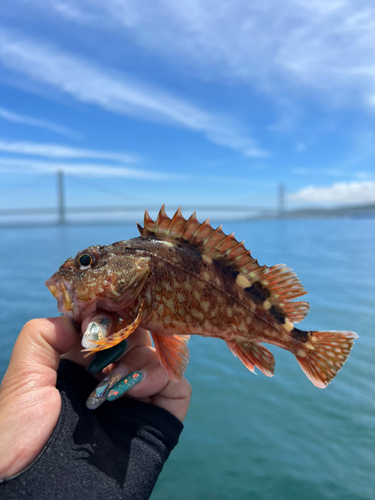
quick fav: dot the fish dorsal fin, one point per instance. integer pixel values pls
(213, 243)
(280, 282)
(284, 285)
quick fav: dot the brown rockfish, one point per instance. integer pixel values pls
(182, 278)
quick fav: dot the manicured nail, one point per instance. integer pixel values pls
(124, 385)
(104, 358)
(99, 394)
(98, 328)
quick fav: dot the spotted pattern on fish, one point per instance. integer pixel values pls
(182, 278)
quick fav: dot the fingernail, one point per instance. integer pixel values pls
(99, 394)
(124, 385)
(98, 328)
(104, 358)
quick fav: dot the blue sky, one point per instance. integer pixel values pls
(187, 102)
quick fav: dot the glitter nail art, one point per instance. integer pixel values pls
(124, 385)
(99, 394)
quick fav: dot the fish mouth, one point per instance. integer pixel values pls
(67, 302)
(61, 290)
(75, 308)
(77, 305)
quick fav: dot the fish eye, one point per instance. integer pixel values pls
(85, 260)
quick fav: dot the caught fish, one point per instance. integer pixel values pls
(182, 278)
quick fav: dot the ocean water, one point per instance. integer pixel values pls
(246, 436)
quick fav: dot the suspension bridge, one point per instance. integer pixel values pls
(62, 214)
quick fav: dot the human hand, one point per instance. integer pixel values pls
(137, 373)
(30, 404)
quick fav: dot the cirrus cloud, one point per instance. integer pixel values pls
(316, 44)
(62, 151)
(118, 93)
(11, 116)
(23, 166)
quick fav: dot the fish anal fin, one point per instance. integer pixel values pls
(323, 356)
(253, 354)
(173, 354)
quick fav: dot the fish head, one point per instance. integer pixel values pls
(99, 277)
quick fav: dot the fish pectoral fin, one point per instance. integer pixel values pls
(116, 337)
(253, 354)
(173, 354)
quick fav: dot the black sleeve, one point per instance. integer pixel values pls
(114, 452)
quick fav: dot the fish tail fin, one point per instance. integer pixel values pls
(323, 356)
(253, 354)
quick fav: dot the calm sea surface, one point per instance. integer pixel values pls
(246, 436)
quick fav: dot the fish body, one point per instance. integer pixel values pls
(182, 278)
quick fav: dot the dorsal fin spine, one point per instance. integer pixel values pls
(148, 222)
(197, 231)
(217, 230)
(280, 281)
(191, 219)
(169, 226)
(238, 259)
(232, 250)
(202, 227)
(160, 219)
(176, 216)
(230, 237)
(184, 227)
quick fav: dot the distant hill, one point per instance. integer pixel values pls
(309, 213)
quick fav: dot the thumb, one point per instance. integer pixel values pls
(36, 354)
(29, 401)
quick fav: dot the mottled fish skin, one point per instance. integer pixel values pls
(188, 294)
(183, 278)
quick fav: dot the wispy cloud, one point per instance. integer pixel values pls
(118, 93)
(72, 12)
(6, 114)
(315, 44)
(342, 192)
(24, 166)
(62, 151)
